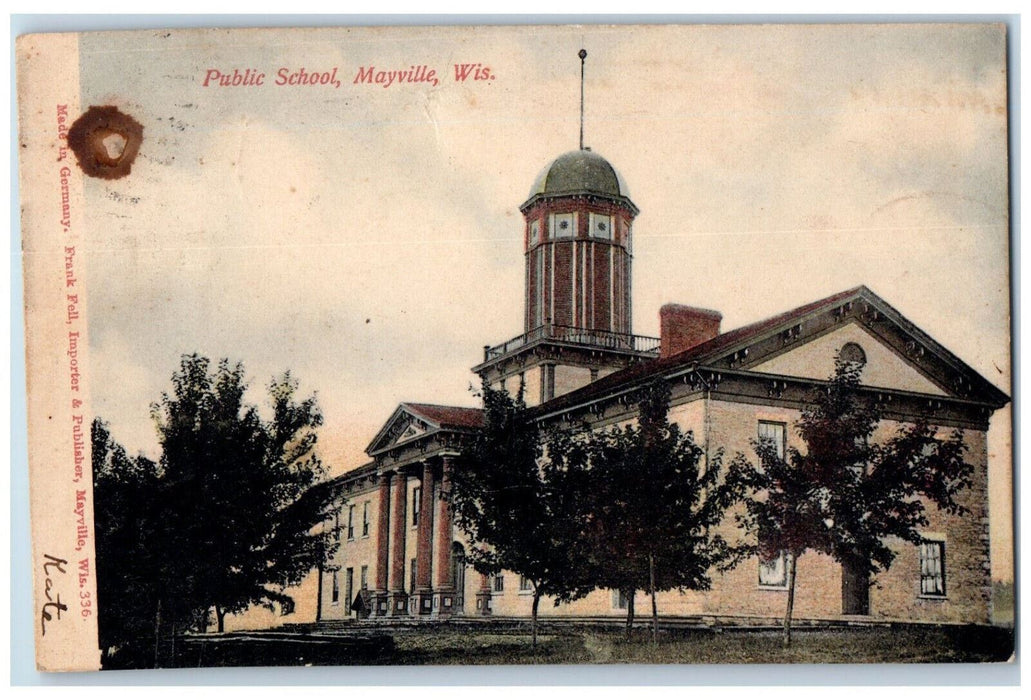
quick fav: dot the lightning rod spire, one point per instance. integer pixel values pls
(583, 57)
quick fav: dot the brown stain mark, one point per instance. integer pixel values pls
(105, 142)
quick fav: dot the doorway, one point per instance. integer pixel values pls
(458, 576)
(855, 587)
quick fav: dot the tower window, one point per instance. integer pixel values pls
(601, 226)
(535, 231)
(563, 225)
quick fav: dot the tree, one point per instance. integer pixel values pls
(129, 556)
(655, 506)
(516, 506)
(845, 496)
(235, 506)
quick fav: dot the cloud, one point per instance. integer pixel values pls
(369, 239)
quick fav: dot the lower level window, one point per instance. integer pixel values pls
(619, 600)
(499, 583)
(524, 584)
(932, 568)
(773, 573)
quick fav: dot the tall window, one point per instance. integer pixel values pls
(524, 584)
(416, 504)
(619, 600)
(932, 568)
(365, 577)
(365, 519)
(773, 573)
(414, 568)
(336, 527)
(335, 599)
(350, 522)
(349, 588)
(775, 433)
(499, 583)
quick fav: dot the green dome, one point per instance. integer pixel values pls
(579, 172)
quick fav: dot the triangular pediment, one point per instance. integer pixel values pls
(884, 368)
(803, 343)
(403, 426)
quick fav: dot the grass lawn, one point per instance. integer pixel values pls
(862, 645)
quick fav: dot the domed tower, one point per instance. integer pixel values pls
(577, 243)
(578, 246)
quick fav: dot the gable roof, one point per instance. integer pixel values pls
(725, 344)
(433, 419)
(447, 416)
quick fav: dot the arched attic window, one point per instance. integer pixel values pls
(852, 353)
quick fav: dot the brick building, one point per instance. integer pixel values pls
(578, 359)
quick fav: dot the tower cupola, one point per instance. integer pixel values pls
(578, 246)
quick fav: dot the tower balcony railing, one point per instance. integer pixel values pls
(607, 340)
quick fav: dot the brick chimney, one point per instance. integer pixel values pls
(682, 327)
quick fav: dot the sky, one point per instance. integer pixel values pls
(369, 239)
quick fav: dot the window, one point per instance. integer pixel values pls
(600, 226)
(563, 225)
(773, 573)
(365, 519)
(524, 584)
(535, 231)
(852, 353)
(350, 522)
(414, 568)
(932, 568)
(365, 578)
(335, 599)
(619, 600)
(499, 583)
(416, 504)
(775, 433)
(336, 527)
(349, 588)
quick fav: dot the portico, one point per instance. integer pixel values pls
(415, 540)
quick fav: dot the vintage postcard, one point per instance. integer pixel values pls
(518, 344)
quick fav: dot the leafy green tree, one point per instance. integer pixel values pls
(233, 512)
(237, 488)
(129, 554)
(845, 495)
(655, 507)
(518, 508)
